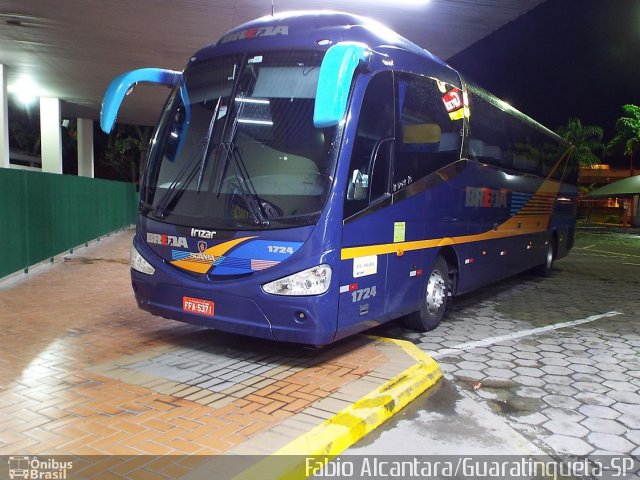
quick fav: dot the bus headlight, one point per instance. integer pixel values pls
(139, 264)
(312, 281)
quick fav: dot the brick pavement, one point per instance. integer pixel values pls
(85, 372)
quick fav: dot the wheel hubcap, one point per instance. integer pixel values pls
(549, 256)
(436, 292)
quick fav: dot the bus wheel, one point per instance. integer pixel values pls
(545, 269)
(434, 302)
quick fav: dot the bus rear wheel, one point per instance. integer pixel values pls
(546, 268)
(435, 298)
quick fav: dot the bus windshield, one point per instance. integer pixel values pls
(236, 146)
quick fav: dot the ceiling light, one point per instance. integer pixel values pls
(24, 90)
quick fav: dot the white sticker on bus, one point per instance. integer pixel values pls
(363, 266)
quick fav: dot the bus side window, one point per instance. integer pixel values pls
(488, 137)
(428, 137)
(371, 156)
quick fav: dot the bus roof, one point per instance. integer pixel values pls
(312, 30)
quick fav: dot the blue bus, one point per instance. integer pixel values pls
(314, 174)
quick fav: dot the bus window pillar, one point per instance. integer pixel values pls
(50, 135)
(4, 119)
(85, 147)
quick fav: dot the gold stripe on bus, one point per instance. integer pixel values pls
(522, 223)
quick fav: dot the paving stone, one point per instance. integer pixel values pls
(580, 368)
(500, 364)
(631, 420)
(503, 349)
(598, 411)
(557, 389)
(555, 370)
(633, 436)
(448, 367)
(591, 387)
(574, 347)
(528, 381)
(530, 392)
(502, 356)
(471, 365)
(524, 347)
(429, 346)
(555, 413)
(602, 453)
(499, 372)
(568, 445)
(469, 375)
(559, 379)
(605, 359)
(523, 362)
(616, 376)
(530, 372)
(561, 401)
(580, 360)
(607, 441)
(532, 419)
(561, 356)
(603, 425)
(594, 398)
(614, 385)
(625, 397)
(527, 355)
(473, 357)
(547, 347)
(557, 361)
(566, 427)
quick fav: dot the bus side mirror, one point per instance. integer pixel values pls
(358, 186)
(124, 83)
(334, 81)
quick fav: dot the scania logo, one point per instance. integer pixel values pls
(202, 246)
(195, 232)
(170, 240)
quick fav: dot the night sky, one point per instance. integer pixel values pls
(563, 59)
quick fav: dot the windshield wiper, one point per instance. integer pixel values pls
(206, 143)
(172, 194)
(245, 186)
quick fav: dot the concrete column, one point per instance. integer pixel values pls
(85, 147)
(4, 119)
(50, 135)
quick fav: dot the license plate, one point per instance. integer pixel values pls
(197, 305)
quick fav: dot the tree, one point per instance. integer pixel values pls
(126, 150)
(628, 133)
(587, 141)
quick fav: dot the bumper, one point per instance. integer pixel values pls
(240, 306)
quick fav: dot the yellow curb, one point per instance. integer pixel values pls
(316, 447)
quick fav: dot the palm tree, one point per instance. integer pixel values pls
(587, 141)
(628, 133)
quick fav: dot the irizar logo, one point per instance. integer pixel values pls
(169, 240)
(486, 198)
(255, 32)
(195, 232)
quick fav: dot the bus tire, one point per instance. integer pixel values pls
(435, 298)
(546, 268)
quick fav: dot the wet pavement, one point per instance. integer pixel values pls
(549, 362)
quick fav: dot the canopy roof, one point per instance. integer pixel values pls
(627, 187)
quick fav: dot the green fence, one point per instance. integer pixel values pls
(44, 214)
